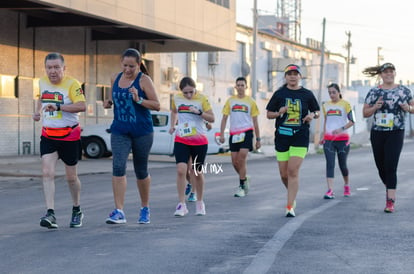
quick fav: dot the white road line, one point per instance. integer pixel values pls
(266, 256)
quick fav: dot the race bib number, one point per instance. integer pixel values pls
(187, 129)
(384, 120)
(238, 138)
(52, 114)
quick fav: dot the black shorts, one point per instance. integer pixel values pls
(299, 139)
(247, 143)
(69, 151)
(183, 152)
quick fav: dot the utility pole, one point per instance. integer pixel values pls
(253, 78)
(318, 123)
(379, 56)
(348, 58)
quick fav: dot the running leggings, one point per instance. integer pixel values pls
(140, 146)
(336, 147)
(387, 146)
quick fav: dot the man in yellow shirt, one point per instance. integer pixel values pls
(243, 113)
(61, 99)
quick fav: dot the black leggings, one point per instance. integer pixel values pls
(336, 147)
(387, 146)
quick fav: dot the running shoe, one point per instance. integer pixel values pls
(240, 192)
(294, 204)
(49, 221)
(290, 212)
(192, 197)
(144, 217)
(246, 186)
(181, 210)
(389, 206)
(329, 194)
(116, 217)
(77, 217)
(347, 191)
(188, 189)
(200, 208)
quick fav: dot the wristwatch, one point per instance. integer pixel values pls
(258, 139)
(57, 107)
(139, 102)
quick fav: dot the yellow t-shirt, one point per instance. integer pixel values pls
(69, 91)
(336, 115)
(190, 129)
(241, 111)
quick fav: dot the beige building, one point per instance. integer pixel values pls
(197, 38)
(92, 34)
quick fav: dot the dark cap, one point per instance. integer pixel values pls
(387, 66)
(292, 67)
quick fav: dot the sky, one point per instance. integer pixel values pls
(372, 24)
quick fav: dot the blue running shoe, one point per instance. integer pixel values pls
(192, 197)
(144, 217)
(116, 217)
(188, 189)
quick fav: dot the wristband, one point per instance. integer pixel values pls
(258, 139)
(343, 128)
(201, 112)
(57, 107)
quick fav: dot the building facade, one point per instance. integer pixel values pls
(208, 46)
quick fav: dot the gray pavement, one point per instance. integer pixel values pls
(30, 166)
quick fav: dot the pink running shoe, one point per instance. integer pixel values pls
(329, 194)
(389, 206)
(200, 208)
(347, 191)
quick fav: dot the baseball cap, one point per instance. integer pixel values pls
(292, 67)
(387, 66)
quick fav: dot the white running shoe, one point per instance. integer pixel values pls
(181, 210)
(200, 208)
(246, 186)
(240, 192)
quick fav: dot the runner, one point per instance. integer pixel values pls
(243, 113)
(293, 107)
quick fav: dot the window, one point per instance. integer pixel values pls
(223, 3)
(159, 120)
(102, 92)
(36, 88)
(7, 86)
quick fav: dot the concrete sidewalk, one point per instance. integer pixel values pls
(31, 166)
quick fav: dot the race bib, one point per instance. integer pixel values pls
(384, 120)
(238, 138)
(52, 114)
(187, 129)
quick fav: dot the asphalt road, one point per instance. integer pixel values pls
(238, 235)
